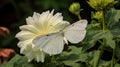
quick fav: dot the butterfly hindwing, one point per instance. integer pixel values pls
(75, 32)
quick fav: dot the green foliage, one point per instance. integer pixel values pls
(17, 61)
(75, 57)
(106, 34)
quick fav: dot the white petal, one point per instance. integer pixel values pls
(23, 43)
(40, 56)
(56, 17)
(36, 16)
(30, 28)
(30, 21)
(25, 35)
(43, 17)
(35, 53)
(50, 15)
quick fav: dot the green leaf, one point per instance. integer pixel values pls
(17, 61)
(107, 35)
(104, 63)
(112, 17)
(75, 57)
(95, 58)
(11, 62)
(117, 65)
(117, 51)
(6, 64)
(71, 63)
(117, 15)
(75, 50)
(92, 36)
(113, 23)
(115, 30)
(109, 39)
(23, 62)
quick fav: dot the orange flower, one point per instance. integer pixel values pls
(6, 54)
(4, 31)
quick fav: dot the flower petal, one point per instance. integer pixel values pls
(30, 28)
(24, 35)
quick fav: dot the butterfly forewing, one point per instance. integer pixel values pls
(51, 44)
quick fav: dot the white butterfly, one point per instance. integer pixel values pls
(54, 43)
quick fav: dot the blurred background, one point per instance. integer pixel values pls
(14, 12)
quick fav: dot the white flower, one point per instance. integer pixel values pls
(38, 25)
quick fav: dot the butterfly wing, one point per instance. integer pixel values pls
(75, 32)
(51, 44)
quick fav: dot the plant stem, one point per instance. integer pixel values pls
(102, 43)
(113, 59)
(103, 22)
(117, 43)
(79, 17)
(99, 56)
(53, 60)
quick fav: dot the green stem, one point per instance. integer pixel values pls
(103, 22)
(53, 60)
(102, 43)
(99, 56)
(113, 59)
(101, 48)
(79, 17)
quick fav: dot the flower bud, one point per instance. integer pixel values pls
(101, 4)
(74, 8)
(98, 15)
